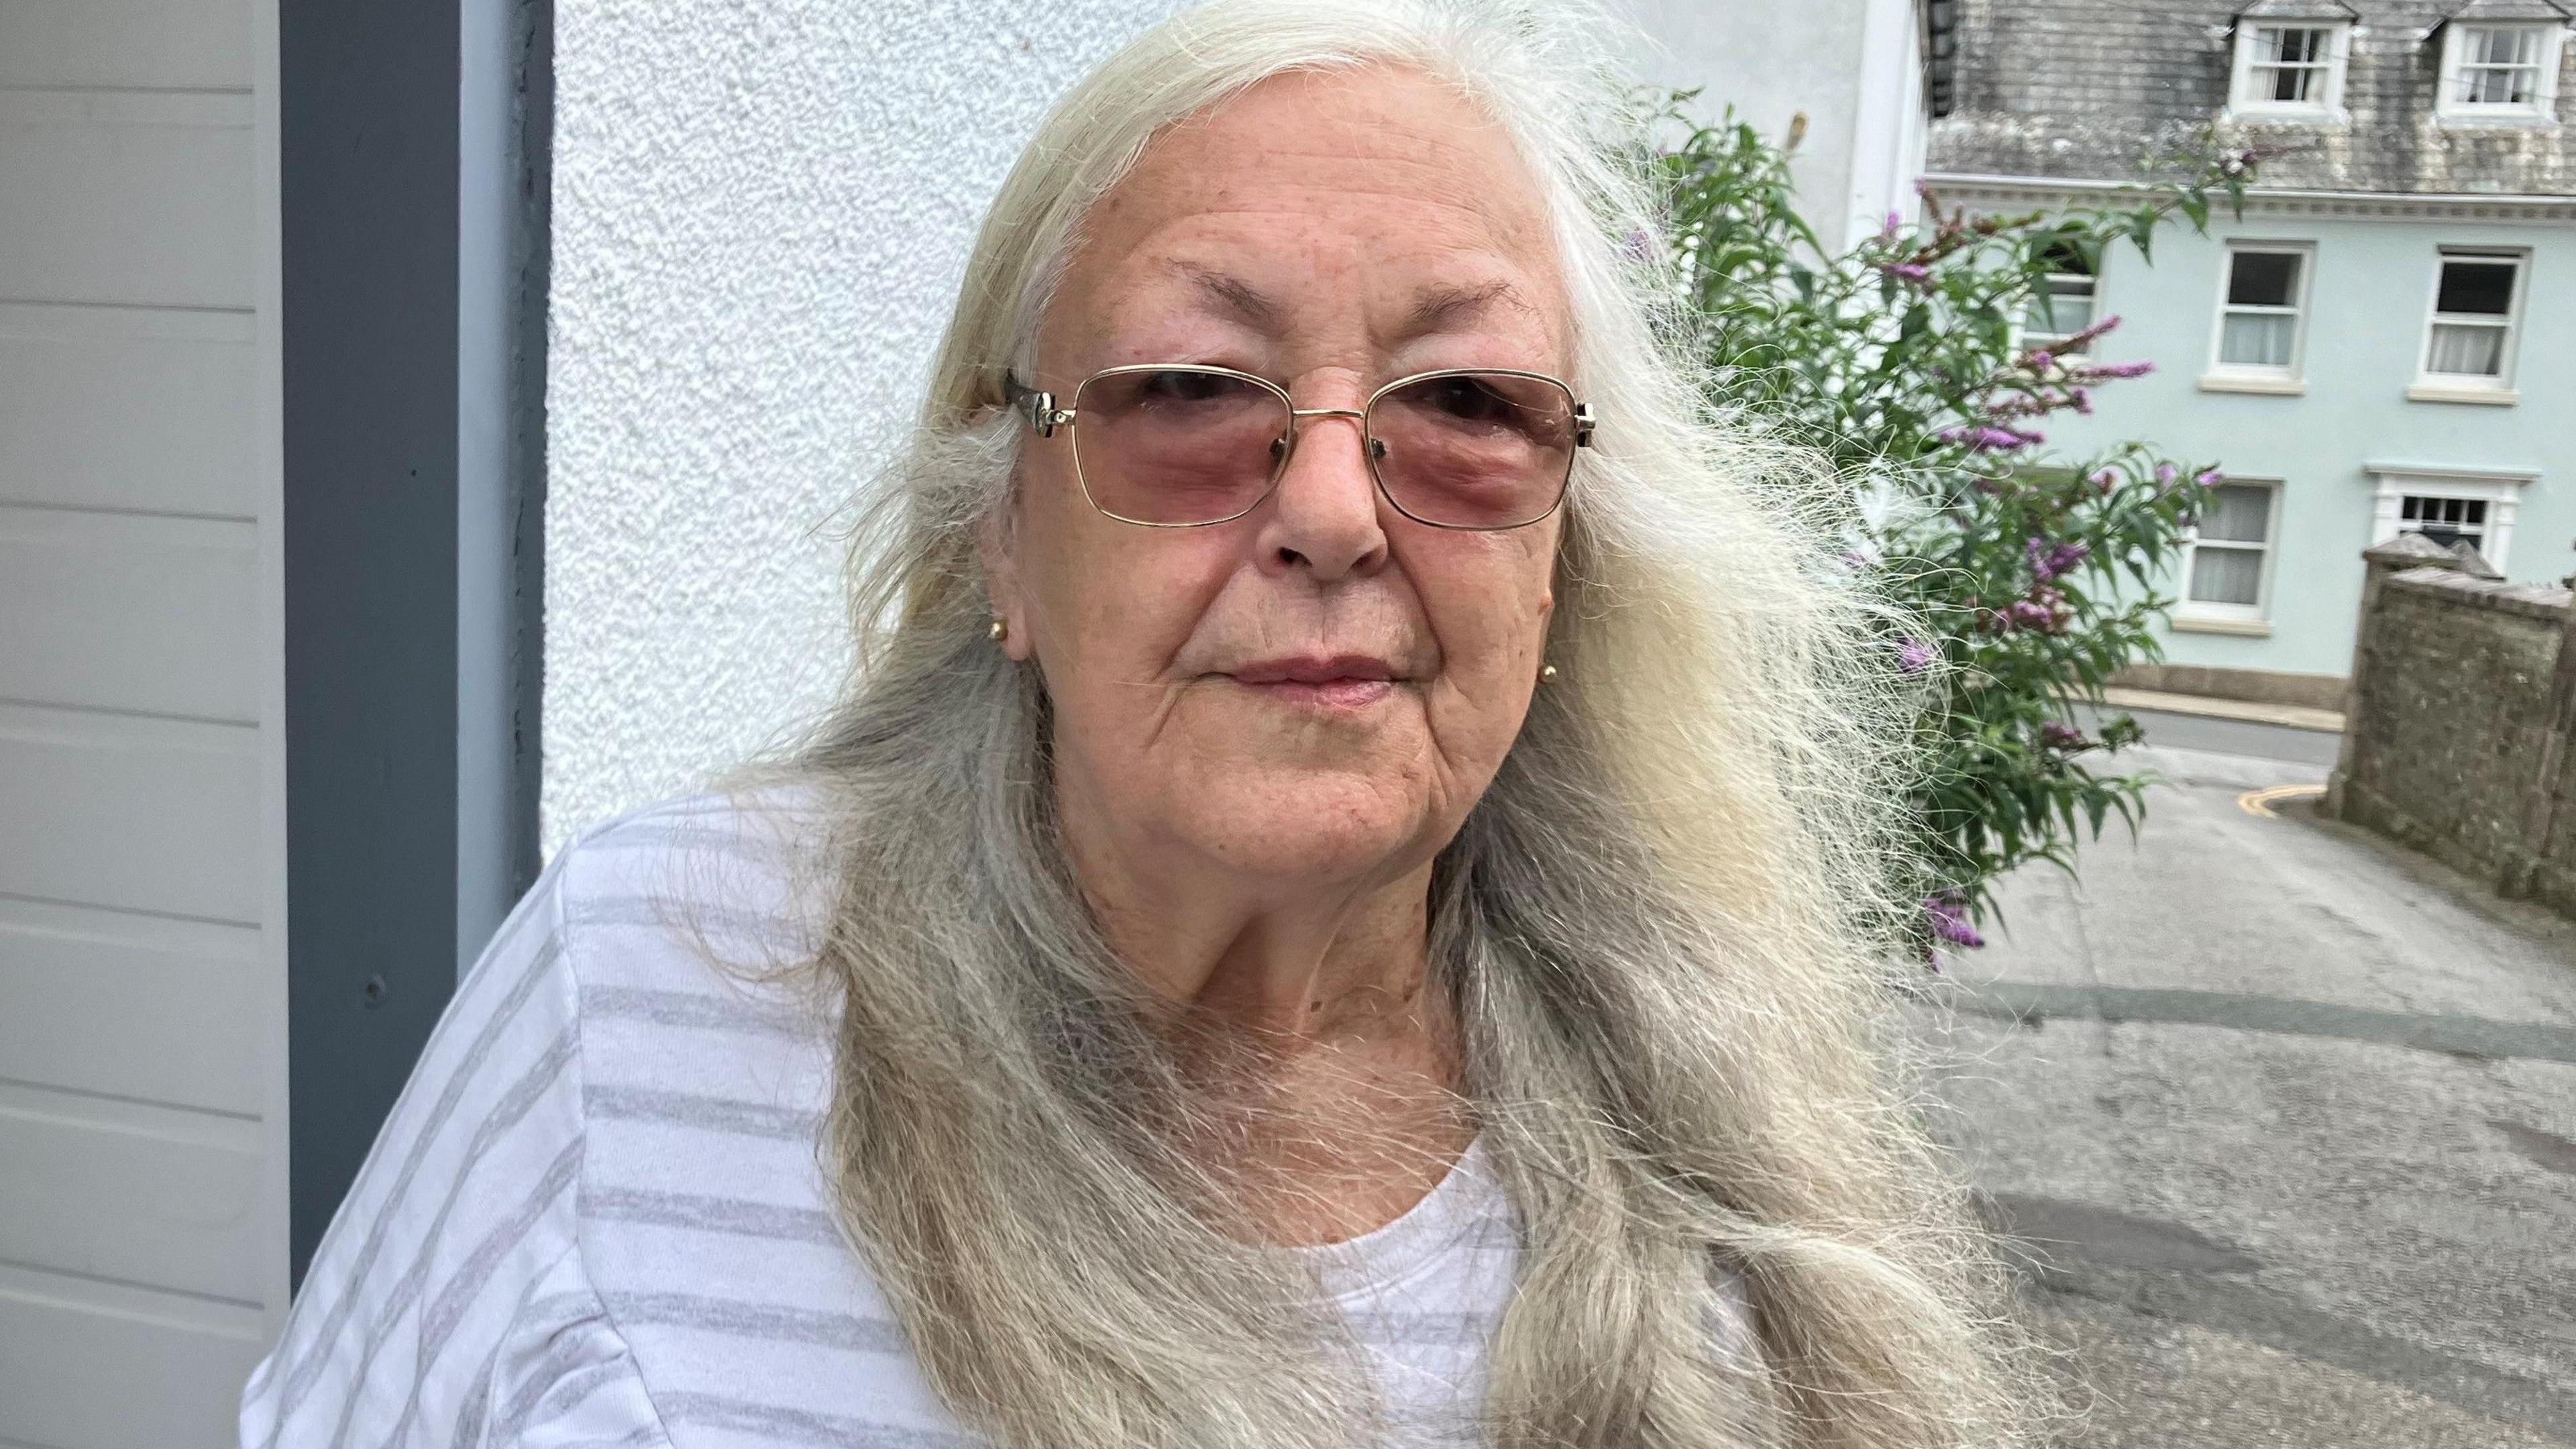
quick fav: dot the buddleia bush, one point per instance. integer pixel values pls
(2027, 576)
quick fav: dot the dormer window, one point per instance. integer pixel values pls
(2290, 69)
(2494, 71)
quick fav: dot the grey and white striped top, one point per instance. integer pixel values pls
(595, 1217)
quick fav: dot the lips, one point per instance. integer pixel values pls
(1332, 683)
(1314, 669)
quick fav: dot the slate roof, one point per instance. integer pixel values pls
(2298, 10)
(2476, 10)
(2091, 88)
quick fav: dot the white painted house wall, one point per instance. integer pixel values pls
(1853, 68)
(143, 1237)
(761, 212)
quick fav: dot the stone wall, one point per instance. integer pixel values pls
(2457, 737)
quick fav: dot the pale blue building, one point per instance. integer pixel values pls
(2384, 341)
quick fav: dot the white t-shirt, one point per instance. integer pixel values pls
(595, 1217)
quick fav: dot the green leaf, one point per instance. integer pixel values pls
(1870, 368)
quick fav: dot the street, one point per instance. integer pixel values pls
(2282, 1122)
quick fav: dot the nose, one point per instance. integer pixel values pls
(1323, 516)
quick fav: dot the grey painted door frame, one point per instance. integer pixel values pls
(413, 173)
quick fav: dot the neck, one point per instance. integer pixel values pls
(1288, 959)
(1305, 1008)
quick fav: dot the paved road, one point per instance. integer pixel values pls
(2284, 1120)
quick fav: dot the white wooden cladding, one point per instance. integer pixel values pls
(133, 1006)
(85, 1363)
(141, 1200)
(133, 813)
(136, 410)
(130, 612)
(125, 44)
(131, 198)
(71, 1153)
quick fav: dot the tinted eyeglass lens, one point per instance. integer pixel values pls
(1177, 445)
(1476, 449)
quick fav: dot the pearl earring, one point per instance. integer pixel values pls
(999, 632)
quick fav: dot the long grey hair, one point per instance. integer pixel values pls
(1663, 929)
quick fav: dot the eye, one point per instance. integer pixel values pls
(1468, 399)
(1187, 387)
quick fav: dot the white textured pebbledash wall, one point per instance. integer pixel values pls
(760, 214)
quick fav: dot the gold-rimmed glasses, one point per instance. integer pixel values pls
(1185, 445)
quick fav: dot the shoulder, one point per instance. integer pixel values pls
(686, 893)
(626, 1018)
(759, 837)
(685, 930)
(706, 1057)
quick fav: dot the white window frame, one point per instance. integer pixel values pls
(2244, 104)
(2499, 488)
(2542, 110)
(2255, 617)
(2476, 535)
(2025, 339)
(2242, 377)
(2431, 386)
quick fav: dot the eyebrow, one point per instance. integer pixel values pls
(1235, 295)
(1434, 309)
(1444, 307)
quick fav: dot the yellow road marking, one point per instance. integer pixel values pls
(2260, 802)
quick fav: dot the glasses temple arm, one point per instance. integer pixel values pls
(1043, 414)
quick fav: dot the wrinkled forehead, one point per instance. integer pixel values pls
(1375, 201)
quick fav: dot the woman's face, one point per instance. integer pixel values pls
(1318, 691)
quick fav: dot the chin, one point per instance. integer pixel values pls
(1320, 824)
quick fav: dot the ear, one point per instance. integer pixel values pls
(994, 536)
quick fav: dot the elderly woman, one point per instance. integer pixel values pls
(1340, 906)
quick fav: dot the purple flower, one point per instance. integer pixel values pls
(2106, 479)
(1948, 919)
(1914, 656)
(1909, 271)
(2042, 611)
(1986, 438)
(2166, 473)
(2052, 561)
(2209, 479)
(2076, 342)
(2058, 736)
(2082, 397)
(2106, 371)
(1895, 223)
